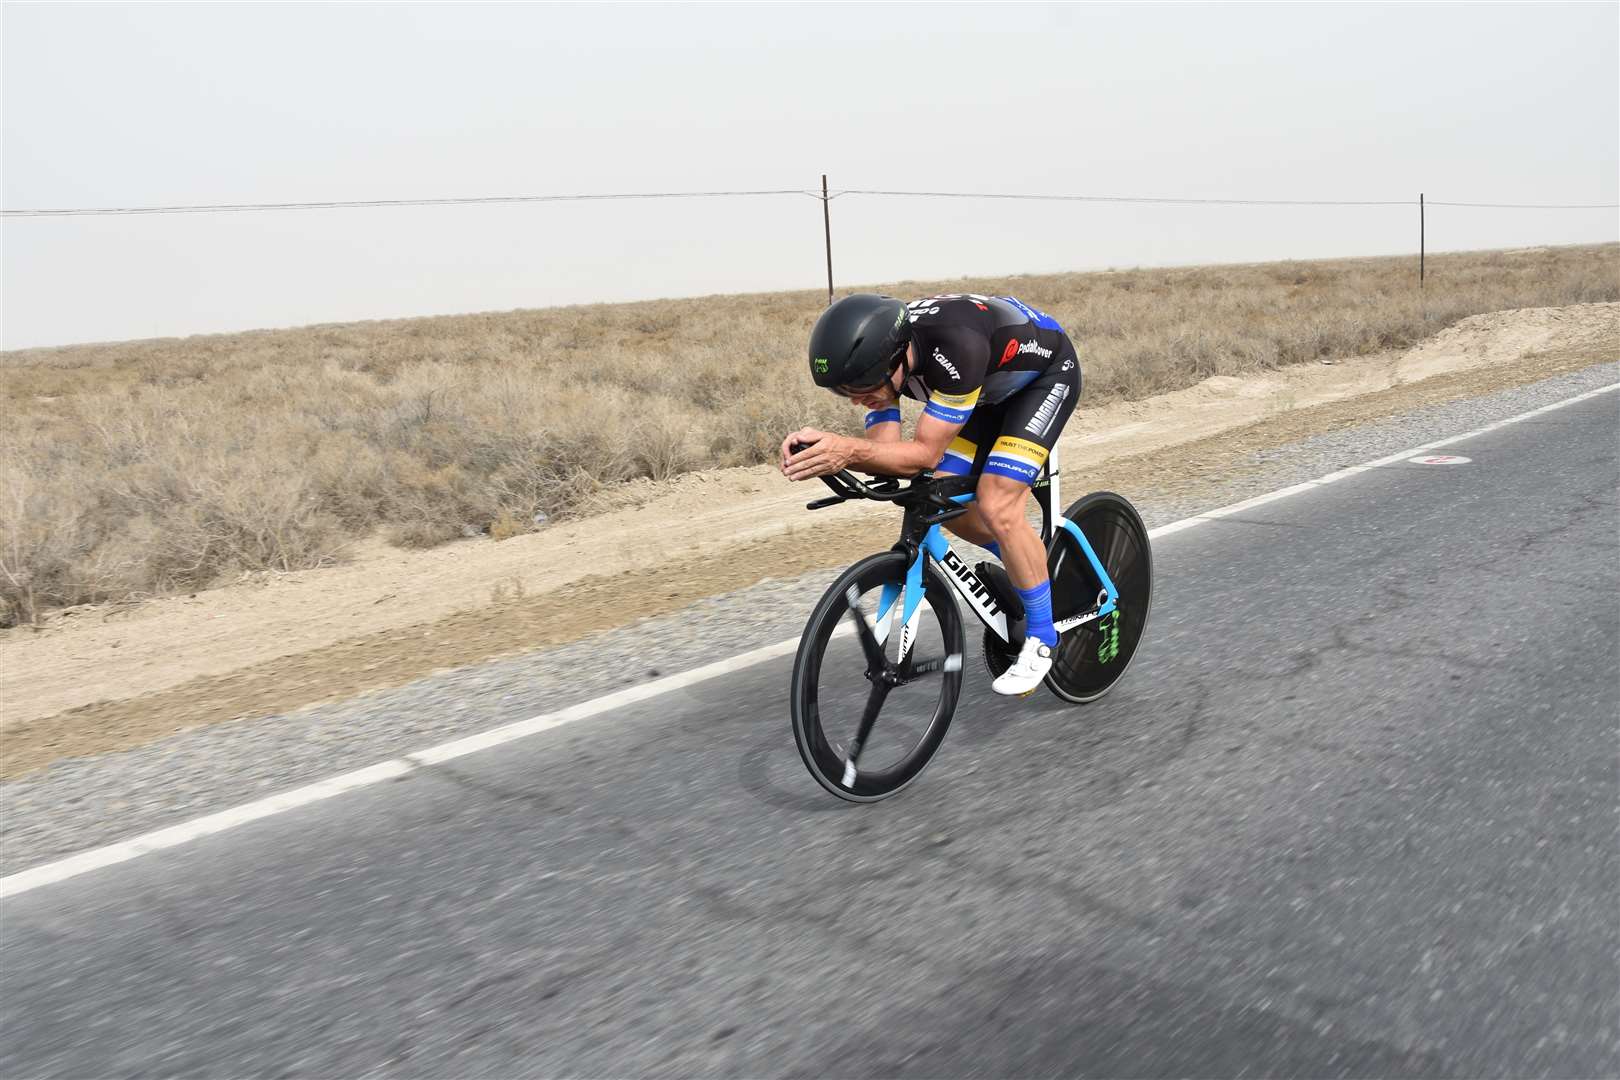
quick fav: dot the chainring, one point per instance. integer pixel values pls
(998, 655)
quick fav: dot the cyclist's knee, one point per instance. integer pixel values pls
(971, 525)
(1001, 502)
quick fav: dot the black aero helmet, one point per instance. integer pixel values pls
(859, 341)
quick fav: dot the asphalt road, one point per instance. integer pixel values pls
(1353, 812)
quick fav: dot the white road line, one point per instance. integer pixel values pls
(175, 835)
(1356, 470)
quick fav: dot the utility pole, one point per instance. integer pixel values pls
(826, 224)
(1422, 241)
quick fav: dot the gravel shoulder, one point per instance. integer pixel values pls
(761, 594)
(272, 641)
(122, 679)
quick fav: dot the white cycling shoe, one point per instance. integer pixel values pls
(1034, 661)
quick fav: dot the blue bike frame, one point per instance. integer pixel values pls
(977, 595)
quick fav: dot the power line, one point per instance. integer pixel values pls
(1132, 198)
(487, 200)
(1221, 202)
(1530, 206)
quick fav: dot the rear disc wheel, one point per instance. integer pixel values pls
(1091, 657)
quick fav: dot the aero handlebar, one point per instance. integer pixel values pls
(845, 486)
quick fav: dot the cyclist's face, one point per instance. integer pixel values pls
(885, 393)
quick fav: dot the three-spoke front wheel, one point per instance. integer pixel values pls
(866, 719)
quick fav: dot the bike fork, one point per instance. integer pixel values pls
(879, 672)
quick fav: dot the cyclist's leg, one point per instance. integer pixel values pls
(971, 527)
(1030, 423)
(1000, 505)
(962, 457)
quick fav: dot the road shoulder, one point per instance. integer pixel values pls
(520, 622)
(88, 798)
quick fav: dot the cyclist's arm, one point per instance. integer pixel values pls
(904, 457)
(954, 365)
(883, 425)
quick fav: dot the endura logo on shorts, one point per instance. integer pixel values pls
(939, 358)
(1017, 470)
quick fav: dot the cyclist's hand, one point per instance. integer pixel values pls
(822, 454)
(797, 446)
(796, 442)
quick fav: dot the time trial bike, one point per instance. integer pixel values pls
(900, 606)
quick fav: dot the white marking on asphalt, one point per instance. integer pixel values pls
(1356, 470)
(1440, 459)
(175, 835)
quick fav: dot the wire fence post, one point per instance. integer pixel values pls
(826, 224)
(1422, 241)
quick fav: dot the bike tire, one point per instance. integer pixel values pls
(817, 748)
(1087, 663)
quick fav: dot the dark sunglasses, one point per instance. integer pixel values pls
(850, 390)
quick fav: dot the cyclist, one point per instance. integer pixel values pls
(999, 380)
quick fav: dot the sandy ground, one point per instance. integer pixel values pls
(98, 678)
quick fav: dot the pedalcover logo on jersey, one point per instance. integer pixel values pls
(1017, 348)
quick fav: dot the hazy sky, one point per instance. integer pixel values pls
(167, 104)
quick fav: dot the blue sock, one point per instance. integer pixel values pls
(1038, 612)
(993, 548)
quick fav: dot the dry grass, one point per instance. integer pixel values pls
(148, 467)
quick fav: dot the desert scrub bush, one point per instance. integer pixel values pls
(136, 468)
